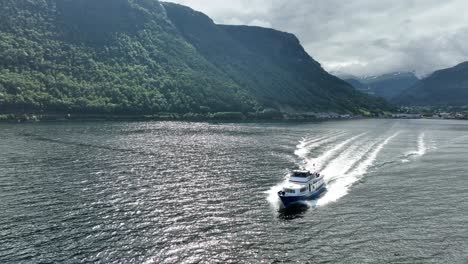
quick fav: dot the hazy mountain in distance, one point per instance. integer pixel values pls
(360, 86)
(446, 87)
(145, 57)
(343, 75)
(387, 86)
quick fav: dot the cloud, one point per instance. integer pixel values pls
(260, 23)
(361, 37)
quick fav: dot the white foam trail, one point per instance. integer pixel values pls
(305, 146)
(362, 168)
(340, 185)
(340, 173)
(320, 161)
(302, 149)
(421, 147)
(272, 195)
(346, 160)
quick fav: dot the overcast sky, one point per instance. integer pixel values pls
(360, 37)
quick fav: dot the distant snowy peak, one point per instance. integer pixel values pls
(344, 75)
(390, 75)
(387, 85)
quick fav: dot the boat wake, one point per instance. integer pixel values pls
(273, 195)
(308, 144)
(421, 150)
(354, 166)
(320, 162)
(343, 163)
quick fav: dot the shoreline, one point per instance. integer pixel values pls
(210, 117)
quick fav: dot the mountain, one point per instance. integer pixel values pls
(356, 83)
(145, 57)
(447, 87)
(387, 86)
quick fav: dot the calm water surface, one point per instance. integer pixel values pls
(172, 192)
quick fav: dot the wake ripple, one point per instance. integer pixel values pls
(307, 145)
(343, 165)
(420, 151)
(339, 185)
(319, 162)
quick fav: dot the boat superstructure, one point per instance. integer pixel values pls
(301, 185)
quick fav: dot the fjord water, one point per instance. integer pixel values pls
(174, 192)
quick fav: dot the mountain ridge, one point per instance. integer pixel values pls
(145, 57)
(445, 87)
(283, 53)
(387, 85)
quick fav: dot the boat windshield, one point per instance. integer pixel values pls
(300, 174)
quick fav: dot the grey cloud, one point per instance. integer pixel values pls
(382, 43)
(361, 37)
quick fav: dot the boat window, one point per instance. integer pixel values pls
(304, 189)
(301, 174)
(286, 190)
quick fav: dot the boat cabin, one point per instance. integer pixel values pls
(301, 185)
(302, 182)
(301, 173)
(302, 176)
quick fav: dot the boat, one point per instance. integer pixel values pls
(302, 185)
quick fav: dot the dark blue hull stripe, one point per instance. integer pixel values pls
(288, 200)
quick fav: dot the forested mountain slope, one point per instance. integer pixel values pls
(141, 56)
